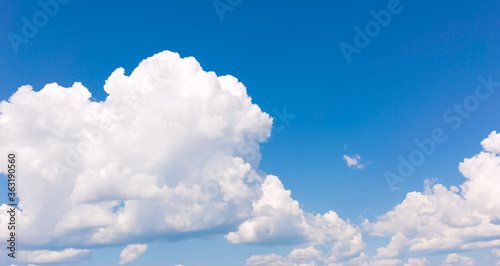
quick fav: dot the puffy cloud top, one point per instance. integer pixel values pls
(164, 137)
(492, 143)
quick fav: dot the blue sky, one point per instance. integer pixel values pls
(287, 54)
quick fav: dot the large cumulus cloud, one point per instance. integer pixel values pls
(171, 153)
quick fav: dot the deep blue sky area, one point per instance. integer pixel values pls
(287, 54)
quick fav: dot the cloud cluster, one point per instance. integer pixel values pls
(171, 153)
(438, 220)
(442, 219)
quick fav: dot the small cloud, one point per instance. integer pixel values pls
(455, 259)
(48, 256)
(131, 253)
(354, 161)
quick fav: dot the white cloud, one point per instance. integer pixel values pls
(313, 256)
(278, 218)
(394, 249)
(172, 152)
(354, 161)
(442, 219)
(48, 256)
(417, 262)
(496, 252)
(264, 259)
(455, 259)
(167, 136)
(481, 190)
(277, 260)
(492, 143)
(385, 262)
(131, 253)
(306, 253)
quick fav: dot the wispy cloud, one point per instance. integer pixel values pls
(354, 161)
